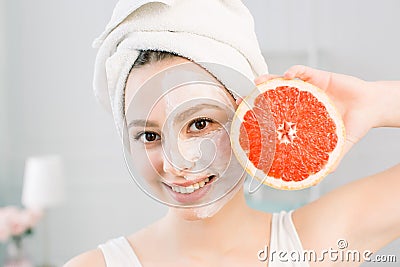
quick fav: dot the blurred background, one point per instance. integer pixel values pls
(47, 107)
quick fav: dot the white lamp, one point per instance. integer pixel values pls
(43, 182)
(43, 188)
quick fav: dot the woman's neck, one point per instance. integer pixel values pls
(221, 232)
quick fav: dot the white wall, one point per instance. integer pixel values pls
(354, 37)
(3, 123)
(51, 109)
(3, 109)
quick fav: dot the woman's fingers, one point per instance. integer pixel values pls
(264, 78)
(317, 77)
(297, 71)
(302, 72)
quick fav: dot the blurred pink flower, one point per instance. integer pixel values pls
(4, 226)
(14, 222)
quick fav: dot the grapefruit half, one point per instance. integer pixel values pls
(287, 134)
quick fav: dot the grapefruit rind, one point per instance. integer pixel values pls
(248, 103)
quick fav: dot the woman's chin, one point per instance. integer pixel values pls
(200, 213)
(210, 210)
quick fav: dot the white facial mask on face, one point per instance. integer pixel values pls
(176, 138)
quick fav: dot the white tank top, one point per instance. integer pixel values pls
(118, 252)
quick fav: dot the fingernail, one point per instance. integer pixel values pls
(288, 74)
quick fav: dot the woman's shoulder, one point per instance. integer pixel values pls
(96, 258)
(90, 258)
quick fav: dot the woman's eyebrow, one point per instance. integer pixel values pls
(142, 123)
(192, 110)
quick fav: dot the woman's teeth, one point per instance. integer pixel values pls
(191, 188)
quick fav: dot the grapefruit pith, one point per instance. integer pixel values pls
(287, 134)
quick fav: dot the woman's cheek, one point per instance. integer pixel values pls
(148, 162)
(154, 164)
(224, 152)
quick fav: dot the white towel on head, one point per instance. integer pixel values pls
(205, 31)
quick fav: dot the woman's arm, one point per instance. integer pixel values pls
(366, 213)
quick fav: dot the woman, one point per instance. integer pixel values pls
(222, 230)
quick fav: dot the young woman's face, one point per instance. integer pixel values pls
(178, 118)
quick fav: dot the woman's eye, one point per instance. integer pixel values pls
(199, 124)
(148, 137)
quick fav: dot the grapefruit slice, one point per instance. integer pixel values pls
(287, 134)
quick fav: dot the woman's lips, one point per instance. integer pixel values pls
(193, 192)
(190, 181)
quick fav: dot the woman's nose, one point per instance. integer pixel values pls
(176, 159)
(177, 165)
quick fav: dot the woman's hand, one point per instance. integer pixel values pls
(365, 212)
(363, 105)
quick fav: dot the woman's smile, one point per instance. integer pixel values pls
(190, 191)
